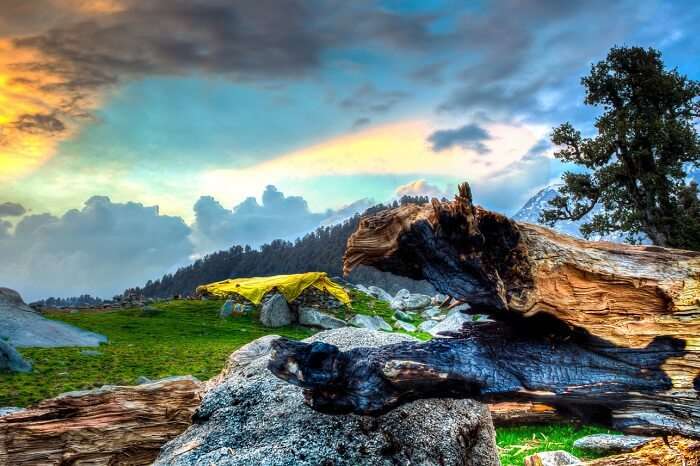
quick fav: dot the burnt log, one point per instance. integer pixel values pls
(607, 332)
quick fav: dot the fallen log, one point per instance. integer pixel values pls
(673, 451)
(508, 413)
(607, 332)
(106, 426)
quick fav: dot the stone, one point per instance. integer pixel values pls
(399, 324)
(452, 323)
(275, 312)
(363, 289)
(379, 293)
(313, 318)
(142, 379)
(226, 309)
(552, 458)
(21, 326)
(610, 444)
(427, 325)
(250, 417)
(400, 315)
(430, 312)
(438, 299)
(407, 301)
(370, 322)
(11, 360)
(5, 410)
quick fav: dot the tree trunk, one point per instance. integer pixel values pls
(674, 451)
(610, 332)
(106, 426)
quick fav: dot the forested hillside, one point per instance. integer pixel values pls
(322, 250)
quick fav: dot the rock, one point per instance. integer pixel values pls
(22, 327)
(11, 360)
(430, 312)
(379, 293)
(275, 312)
(452, 323)
(405, 300)
(226, 309)
(438, 299)
(427, 325)
(609, 444)
(370, 322)
(460, 308)
(5, 410)
(552, 458)
(251, 417)
(400, 315)
(91, 353)
(313, 318)
(363, 289)
(404, 326)
(142, 379)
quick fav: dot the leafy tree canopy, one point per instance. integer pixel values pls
(635, 167)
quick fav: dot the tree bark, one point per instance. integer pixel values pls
(106, 426)
(674, 451)
(609, 332)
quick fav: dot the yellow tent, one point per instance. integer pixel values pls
(291, 286)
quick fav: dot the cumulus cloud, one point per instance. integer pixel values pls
(101, 249)
(470, 136)
(422, 188)
(11, 209)
(253, 223)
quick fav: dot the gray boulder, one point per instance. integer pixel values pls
(313, 318)
(11, 360)
(401, 315)
(226, 309)
(407, 301)
(427, 325)
(438, 299)
(552, 458)
(452, 323)
(379, 293)
(22, 327)
(430, 312)
(370, 322)
(250, 417)
(609, 444)
(5, 410)
(405, 326)
(275, 312)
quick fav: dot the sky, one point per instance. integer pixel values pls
(136, 136)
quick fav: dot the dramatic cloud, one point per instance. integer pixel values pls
(368, 99)
(277, 217)
(470, 136)
(423, 188)
(11, 209)
(101, 249)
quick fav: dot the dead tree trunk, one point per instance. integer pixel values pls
(106, 426)
(610, 332)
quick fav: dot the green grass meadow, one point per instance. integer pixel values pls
(188, 337)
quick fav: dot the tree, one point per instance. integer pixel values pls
(635, 167)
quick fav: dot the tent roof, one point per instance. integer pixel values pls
(290, 286)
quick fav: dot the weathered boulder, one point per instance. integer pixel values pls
(11, 360)
(552, 458)
(427, 325)
(608, 444)
(313, 318)
(252, 417)
(275, 312)
(407, 301)
(452, 323)
(5, 410)
(379, 293)
(401, 325)
(430, 312)
(226, 309)
(370, 322)
(21, 326)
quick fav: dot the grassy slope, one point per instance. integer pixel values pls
(187, 337)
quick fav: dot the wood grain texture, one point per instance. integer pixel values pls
(601, 330)
(106, 426)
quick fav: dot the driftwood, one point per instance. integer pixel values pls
(607, 332)
(673, 451)
(107, 426)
